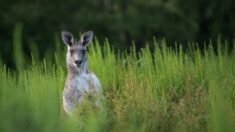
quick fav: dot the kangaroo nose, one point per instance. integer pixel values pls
(78, 62)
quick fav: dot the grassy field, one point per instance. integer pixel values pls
(156, 89)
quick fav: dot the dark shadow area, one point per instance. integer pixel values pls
(122, 22)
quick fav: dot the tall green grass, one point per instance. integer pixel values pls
(157, 89)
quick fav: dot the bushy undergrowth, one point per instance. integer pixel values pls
(156, 89)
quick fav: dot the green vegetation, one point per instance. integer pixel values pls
(158, 90)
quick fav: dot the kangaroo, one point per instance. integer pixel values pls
(80, 80)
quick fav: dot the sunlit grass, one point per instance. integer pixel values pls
(162, 90)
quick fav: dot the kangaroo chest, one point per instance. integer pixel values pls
(84, 82)
(76, 87)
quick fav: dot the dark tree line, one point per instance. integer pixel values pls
(121, 21)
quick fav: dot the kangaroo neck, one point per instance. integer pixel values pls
(75, 71)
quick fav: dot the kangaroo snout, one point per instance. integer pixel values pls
(78, 62)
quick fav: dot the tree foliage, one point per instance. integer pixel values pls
(121, 21)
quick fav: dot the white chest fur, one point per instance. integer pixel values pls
(78, 86)
(85, 82)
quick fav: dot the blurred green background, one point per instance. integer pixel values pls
(148, 88)
(122, 22)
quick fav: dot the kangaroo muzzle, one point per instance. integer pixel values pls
(78, 62)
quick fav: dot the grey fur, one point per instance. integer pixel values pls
(79, 80)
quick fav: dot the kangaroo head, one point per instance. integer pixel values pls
(76, 56)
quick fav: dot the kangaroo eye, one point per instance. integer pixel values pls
(71, 52)
(83, 52)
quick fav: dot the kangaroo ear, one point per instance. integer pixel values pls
(67, 37)
(86, 38)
